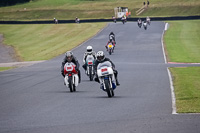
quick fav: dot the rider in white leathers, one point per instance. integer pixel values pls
(88, 52)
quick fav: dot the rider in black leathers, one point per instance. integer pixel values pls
(100, 59)
(69, 57)
(112, 36)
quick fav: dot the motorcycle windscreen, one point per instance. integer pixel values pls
(104, 64)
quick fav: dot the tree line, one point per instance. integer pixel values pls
(12, 2)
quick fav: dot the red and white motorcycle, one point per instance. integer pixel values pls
(71, 76)
(106, 77)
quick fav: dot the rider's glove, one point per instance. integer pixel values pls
(76, 69)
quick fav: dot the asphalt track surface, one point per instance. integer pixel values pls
(34, 99)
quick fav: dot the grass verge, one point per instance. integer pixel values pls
(187, 89)
(182, 41)
(69, 9)
(5, 68)
(43, 42)
(182, 45)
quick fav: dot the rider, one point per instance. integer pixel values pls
(110, 41)
(88, 52)
(124, 17)
(114, 19)
(148, 19)
(112, 36)
(145, 22)
(139, 21)
(69, 57)
(100, 59)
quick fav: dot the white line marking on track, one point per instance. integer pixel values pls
(169, 74)
(163, 44)
(172, 93)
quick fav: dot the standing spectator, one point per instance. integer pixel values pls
(148, 3)
(129, 14)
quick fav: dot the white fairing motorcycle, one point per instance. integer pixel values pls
(145, 25)
(90, 66)
(148, 21)
(71, 76)
(106, 77)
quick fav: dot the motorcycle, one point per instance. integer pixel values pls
(148, 21)
(145, 25)
(140, 24)
(90, 67)
(110, 48)
(114, 20)
(71, 76)
(123, 20)
(106, 78)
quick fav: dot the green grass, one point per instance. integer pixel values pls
(182, 41)
(5, 68)
(187, 89)
(69, 9)
(43, 42)
(182, 45)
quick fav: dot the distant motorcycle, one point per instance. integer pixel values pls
(123, 20)
(106, 78)
(71, 76)
(114, 20)
(90, 67)
(148, 21)
(110, 48)
(77, 20)
(140, 24)
(145, 25)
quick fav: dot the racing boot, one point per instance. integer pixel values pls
(79, 75)
(117, 82)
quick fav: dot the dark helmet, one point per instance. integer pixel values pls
(69, 56)
(100, 56)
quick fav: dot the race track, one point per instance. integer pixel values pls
(34, 99)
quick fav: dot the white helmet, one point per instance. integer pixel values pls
(100, 56)
(89, 49)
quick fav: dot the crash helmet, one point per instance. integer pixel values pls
(100, 56)
(89, 49)
(69, 56)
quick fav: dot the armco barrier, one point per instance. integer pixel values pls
(101, 20)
